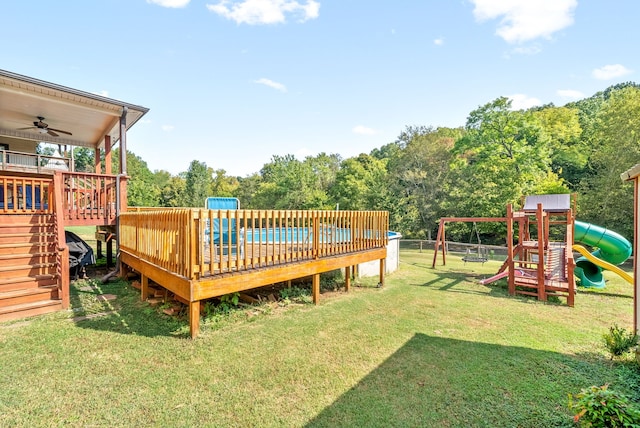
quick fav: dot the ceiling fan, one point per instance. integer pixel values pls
(43, 128)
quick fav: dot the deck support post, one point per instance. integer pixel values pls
(316, 288)
(144, 287)
(382, 271)
(109, 253)
(347, 278)
(194, 318)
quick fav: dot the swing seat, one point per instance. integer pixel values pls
(479, 257)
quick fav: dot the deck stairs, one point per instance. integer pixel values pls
(28, 266)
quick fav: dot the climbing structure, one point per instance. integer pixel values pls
(539, 247)
(539, 239)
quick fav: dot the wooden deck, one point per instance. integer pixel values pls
(199, 254)
(83, 199)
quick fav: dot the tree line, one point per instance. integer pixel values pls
(497, 157)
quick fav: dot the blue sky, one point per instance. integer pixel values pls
(234, 82)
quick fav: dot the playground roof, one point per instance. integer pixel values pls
(631, 174)
(550, 203)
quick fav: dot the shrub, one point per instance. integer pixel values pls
(301, 295)
(598, 406)
(619, 341)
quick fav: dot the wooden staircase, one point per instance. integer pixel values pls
(29, 266)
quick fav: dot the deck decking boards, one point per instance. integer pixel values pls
(283, 245)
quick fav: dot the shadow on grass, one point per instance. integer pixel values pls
(448, 282)
(596, 292)
(435, 381)
(124, 314)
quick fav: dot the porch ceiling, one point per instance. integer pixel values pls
(87, 116)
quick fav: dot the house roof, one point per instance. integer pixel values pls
(88, 117)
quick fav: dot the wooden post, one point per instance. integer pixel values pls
(382, 272)
(107, 155)
(124, 270)
(316, 288)
(510, 255)
(568, 256)
(109, 244)
(347, 278)
(63, 250)
(316, 235)
(540, 216)
(439, 241)
(144, 287)
(97, 166)
(123, 141)
(194, 318)
(123, 194)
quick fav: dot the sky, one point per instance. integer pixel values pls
(233, 83)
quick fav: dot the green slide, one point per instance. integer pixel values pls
(612, 247)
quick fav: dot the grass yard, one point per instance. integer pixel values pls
(431, 348)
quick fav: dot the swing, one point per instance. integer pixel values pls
(480, 255)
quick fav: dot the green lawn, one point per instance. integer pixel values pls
(431, 348)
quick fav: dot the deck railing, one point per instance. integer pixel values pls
(85, 198)
(88, 197)
(198, 242)
(25, 195)
(32, 162)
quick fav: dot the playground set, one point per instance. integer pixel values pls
(541, 239)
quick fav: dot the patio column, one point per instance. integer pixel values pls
(107, 154)
(123, 160)
(123, 141)
(97, 167)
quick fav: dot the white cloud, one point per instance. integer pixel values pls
(102, 93)
(168, 128)
(254, 12)
(439, 41)
(527, 50)
(363, 130)
(524, 20)
(523, 102)
(570, 94)
(271, 84)
(610, 71)
(170, 3)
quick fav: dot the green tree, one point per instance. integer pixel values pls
(504, 155)
(288, 183)
(419, 174)
(569, 151)
(197, 184)
(605, 199)
(171, 188)
(222, 184)
(141, 188)
(83, 159)
(360, 183)
(247, 189)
